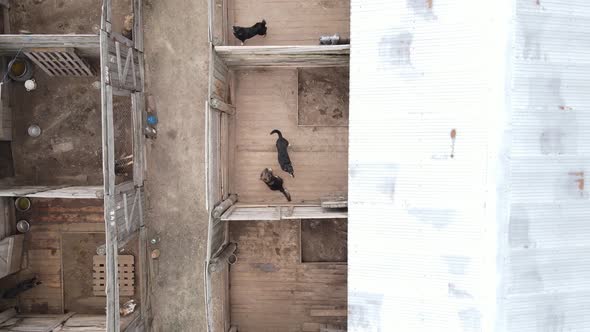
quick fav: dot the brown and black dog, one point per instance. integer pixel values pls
(274, 182)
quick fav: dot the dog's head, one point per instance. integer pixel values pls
(236, 29)
(266, 175)
(261, 27)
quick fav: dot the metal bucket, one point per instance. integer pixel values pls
(20, 69)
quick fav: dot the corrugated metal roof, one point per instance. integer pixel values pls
(426, 100)
(486, 231)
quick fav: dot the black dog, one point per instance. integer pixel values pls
(282, 146)
(244, 34)
(21, 287)
(274, 182)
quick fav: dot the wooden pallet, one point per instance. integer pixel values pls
(59, 61)
(126, 275)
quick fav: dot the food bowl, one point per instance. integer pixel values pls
(23, 226)
(22, 204)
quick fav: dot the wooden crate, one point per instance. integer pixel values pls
(126, 275)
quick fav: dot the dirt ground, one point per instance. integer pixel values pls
(176, 51)
(324, 240)
(67, 109)
(323, 96)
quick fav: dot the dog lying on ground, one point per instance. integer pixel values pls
(244, 34)
(21, 287)
(274, 182)
(283, 154)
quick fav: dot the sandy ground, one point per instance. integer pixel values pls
(176, 53)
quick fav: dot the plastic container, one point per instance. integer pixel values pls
(22, 204)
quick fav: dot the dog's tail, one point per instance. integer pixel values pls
(276, 131)
(287, 194)
(263, 21)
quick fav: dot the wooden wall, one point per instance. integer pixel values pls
(270, 290)
(291, 22)
(266, 99)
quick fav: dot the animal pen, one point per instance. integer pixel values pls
(77, 211)
(273, 264)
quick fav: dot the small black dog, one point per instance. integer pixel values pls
(282, 146)
(274, 182)
(244, 34)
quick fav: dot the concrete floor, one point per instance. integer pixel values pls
(176, 51)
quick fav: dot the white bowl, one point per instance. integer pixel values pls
(34, 130)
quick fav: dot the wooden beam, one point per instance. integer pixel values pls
(7, 314)
(6, 18)
(223, 206)
(328, 312)
(58, 321)
(222, 106)
(138, 24)
(86, 45)
(284, 56)
(105, 22)
(137, 107)
(143, 271)
(108, 157)
(220, 262)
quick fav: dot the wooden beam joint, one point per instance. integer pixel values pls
(222, 106)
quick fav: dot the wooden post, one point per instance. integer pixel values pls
(137, 107)
(106, 15)
(222, 106)
(108, 156)
(138, 24)
(219, 263)
(223, 206)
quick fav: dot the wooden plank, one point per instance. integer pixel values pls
(334, 201)
(138, 24)
(328, 312)
(58, 321)
(284, 56)
(223, 206)
(221, 106)
(312, 212)
(52, 192)
(7, 314)
(11, 252)
(137, 107)
(144, 273)
(87, 45)
(106, 15)
(269, 213)
(50, 210)
(82, 65)
(108, 148)
(39, 61)
(6, 19)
